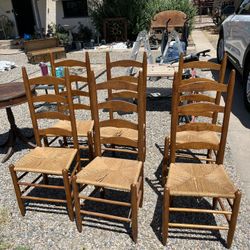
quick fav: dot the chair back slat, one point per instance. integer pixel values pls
(197, 98)
(116, 105)
(198, 109)
(202, 86)
(125, 94)
(52, 115)
(117, 123)
(120, 141)
(199, 126)
(126, 63)
(78, 78)
(55, 132)
(49, 98)
(117, 85)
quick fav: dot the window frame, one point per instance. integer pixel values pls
(83, 8)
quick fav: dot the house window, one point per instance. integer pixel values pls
(75, 8)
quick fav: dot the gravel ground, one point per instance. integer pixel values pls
(47, 230)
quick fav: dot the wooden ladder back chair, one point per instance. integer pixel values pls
(191, 139)
(113, 66)
(127, 134)
(84, 127)
(110, 173)
(197, 179)
(46, 161)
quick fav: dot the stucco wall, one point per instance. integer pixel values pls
(6, 9)
(86, 21)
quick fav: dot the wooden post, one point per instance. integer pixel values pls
(17, 190)
(165, 215)
(68, 194)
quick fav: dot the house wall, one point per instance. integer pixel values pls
(6, 9)
(72, 22)
(42, 12)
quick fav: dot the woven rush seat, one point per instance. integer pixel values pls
(82, 127)
(119, 132)
(110, 173)
(205, 180)
(46, 160)
(197, 137)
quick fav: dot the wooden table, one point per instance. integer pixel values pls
(161, 70)
(12, 94)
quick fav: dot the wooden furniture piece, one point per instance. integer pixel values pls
(194, 179)
(12, 94)
(177, 19)
(111, 173)
(115, 29)
(32, 171)
(168, 20)
(201, 138)
(161, 70)
(79, 75)
(39, 50)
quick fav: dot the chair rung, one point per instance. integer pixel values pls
(194, 226)
(39, 185)
(22, 175)
(193, 210)
(139, 198)
(42, 199)
(120, 150)
(106, 216)
(120, 203)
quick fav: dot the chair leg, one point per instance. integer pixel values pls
(77, 204)
(68, 194)
(90, 145)
(215, 202)
(165, 161)
(134, 208)
(142, 186)
(165, 215)
(17, 190)
(45, 179)
(233, 220)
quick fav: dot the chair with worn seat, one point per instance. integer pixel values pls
(111, 173)
(190, 139)
(47, 168)
(79, 75)
(210, 180)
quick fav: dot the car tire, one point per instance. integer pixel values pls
(220, 49)
(246, 82)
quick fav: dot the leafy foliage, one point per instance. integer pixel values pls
(138, 12)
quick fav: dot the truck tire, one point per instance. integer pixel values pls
(246, 82)
(220, 49)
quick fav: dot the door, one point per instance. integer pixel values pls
(24, 16)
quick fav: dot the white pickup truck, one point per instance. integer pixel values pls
(234, 38)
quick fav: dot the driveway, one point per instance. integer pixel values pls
(239, 127)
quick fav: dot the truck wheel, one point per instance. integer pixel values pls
(220, 49)
(246, 82)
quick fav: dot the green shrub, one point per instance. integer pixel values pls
(138, 12)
